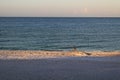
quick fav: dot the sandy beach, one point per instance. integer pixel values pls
(37, 54)
(59, 65)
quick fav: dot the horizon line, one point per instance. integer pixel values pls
(60, 17)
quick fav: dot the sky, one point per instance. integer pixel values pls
(60, 8)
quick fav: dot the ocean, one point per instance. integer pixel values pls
(59, 33)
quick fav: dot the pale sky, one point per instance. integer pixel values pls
(60, 8)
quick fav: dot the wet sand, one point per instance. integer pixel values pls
(59, 69)
(62, 67)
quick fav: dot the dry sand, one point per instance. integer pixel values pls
(34, 54)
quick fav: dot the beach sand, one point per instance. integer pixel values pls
(63, 65)
(37, 54)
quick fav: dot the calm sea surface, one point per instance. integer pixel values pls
(59, 33)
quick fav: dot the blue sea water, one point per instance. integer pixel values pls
(29, 33)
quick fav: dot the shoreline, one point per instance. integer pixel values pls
(38, 54)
